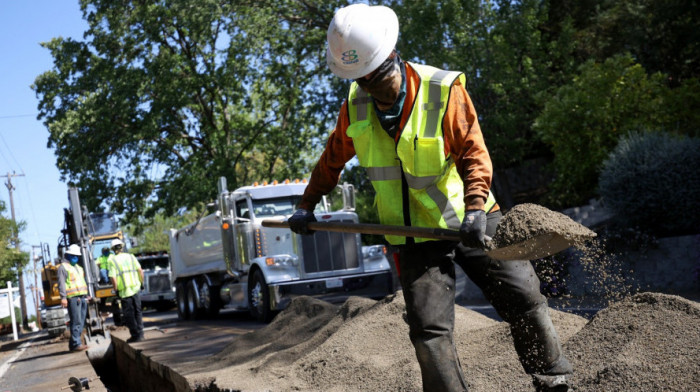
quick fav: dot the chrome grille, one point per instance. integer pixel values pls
(330, 251)
(158, 283)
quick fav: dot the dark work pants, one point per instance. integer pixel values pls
(77, 311)
(428, 281)
(131, 307)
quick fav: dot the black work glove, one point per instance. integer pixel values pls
(473, 229)
(298, 222)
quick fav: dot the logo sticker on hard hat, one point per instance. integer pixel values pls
(350, 57)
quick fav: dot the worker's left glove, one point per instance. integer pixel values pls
(473, 229)
(299, 222)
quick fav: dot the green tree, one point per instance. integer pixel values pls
(154, 236)
(585, 119)
(12, 260)
(162, 96)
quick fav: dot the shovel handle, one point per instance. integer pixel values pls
(371, 228)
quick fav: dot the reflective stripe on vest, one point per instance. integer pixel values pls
(75, 281)
(436, 192)
(126, 277)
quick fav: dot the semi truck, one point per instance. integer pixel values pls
(158, 292)
(227, 259)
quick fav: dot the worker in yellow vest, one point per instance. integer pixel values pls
(103, 265)
(416, 131)
(127, 278)
(74, 295)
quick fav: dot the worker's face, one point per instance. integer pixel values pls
(117, 249)
(384, 83)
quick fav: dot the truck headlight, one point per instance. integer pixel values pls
(281, 260)
(373, 251)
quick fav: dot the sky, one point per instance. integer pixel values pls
(39, 196)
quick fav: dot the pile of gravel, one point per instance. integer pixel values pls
(644, 343)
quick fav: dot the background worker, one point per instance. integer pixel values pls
(415, 129)
(127, 278)
(103, 265)
(73, 290)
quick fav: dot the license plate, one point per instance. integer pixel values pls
(334, 283)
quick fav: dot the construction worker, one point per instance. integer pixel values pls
(74, 295)
(415, 129)
(127, 278)
(103, 265)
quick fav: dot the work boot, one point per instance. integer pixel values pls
(558, 383)
(82, 347)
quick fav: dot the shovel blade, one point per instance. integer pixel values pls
(533, 248)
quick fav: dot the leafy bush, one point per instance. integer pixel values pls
(585, 119)
(652, 180)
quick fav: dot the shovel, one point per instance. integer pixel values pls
(537, 247)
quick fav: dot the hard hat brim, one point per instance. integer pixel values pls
(387, 16)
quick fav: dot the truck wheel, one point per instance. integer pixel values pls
(181, 298)
(210, 302)
(193, 307)
(259, 297)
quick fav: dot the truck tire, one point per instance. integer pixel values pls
(210, 300)
(259, 297)
(193, 307)
(181, 299)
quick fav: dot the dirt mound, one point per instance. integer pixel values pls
(648, 342)
(363, 345)
(525, 221)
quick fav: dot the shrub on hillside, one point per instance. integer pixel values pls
(585, 119)
(652, 180)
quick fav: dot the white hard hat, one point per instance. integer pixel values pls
(73, 250)
(360, 37)
(116, 242)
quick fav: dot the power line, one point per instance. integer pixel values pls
(19, 115)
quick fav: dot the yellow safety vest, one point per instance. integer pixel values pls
(103, 262)
(435, 189)
(126, 268)
(75, 281)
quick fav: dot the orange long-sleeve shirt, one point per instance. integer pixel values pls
(463, 140)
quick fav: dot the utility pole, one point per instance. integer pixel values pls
(37, 291)
(23, 301)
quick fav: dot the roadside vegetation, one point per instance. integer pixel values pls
(161, 98)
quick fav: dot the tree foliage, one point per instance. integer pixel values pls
(587, 117)
(153, 236)
(163, 96)
(12, 260)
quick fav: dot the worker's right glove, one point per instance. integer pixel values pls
(299, 221)
(473, 229)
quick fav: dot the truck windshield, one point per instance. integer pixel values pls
(277, 206)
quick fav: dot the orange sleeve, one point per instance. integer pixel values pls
(339, 150)
(465, 143)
